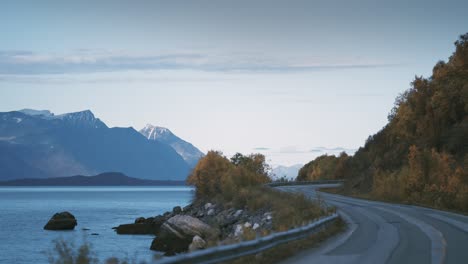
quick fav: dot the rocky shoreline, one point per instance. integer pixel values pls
(200, 225)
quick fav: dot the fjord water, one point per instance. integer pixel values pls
(25, 210)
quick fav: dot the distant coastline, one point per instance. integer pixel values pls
(103, 179)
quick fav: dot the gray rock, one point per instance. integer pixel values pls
(140, 220)
(61, 221)
(238, 213)
(238, 231)
(177, 233)
(224, 219)
(197, 243)
(208, 206)
(168, 215)
(158, 220)
(210, 212)
(188, 208)
(255, 226)
(177, 210)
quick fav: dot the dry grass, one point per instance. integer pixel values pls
(287, 250)
(65, 252)
(288, 210)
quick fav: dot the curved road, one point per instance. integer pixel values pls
(387, 233)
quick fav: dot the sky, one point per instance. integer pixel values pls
(290, 79)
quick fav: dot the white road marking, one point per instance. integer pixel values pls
(455, 223)
(438, 243)
(386, 242)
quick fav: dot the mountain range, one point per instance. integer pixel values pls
(39, 144)
(103, 179)
(288, 172)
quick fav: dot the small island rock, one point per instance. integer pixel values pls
(61, 221)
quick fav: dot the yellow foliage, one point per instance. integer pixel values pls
(215, 175)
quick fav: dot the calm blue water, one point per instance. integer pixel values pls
(25, 210)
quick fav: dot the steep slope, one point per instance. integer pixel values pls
(37, 145)
(421, 155)
(189, 153)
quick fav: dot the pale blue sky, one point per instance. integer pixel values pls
(288, 76)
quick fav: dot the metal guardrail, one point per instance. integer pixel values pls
(275, 184)
(228, 252)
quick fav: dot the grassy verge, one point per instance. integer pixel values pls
(287, 250)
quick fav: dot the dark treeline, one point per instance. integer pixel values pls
(420, 156)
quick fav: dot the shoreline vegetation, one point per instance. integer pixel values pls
(421, 156)
(231, 204)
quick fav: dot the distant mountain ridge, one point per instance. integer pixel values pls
(39, 144)
(103, 179)
(290, 172)
(187, 151)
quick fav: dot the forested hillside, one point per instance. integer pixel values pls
(421, 155)
(325, 167)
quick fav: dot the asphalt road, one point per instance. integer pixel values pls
(388, 233)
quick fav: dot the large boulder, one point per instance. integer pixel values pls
(177, 233)
(61, 221)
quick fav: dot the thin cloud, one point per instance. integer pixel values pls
(87, 61)
(261, 148)
(333, 150)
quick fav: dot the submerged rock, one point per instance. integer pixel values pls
(61, 221)
(177, 233)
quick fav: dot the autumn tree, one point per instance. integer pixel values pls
(216, 176)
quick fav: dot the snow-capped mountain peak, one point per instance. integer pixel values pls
(85, 115)
(155, 132)
(161, 134)
(84, 118)
(33, 112)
